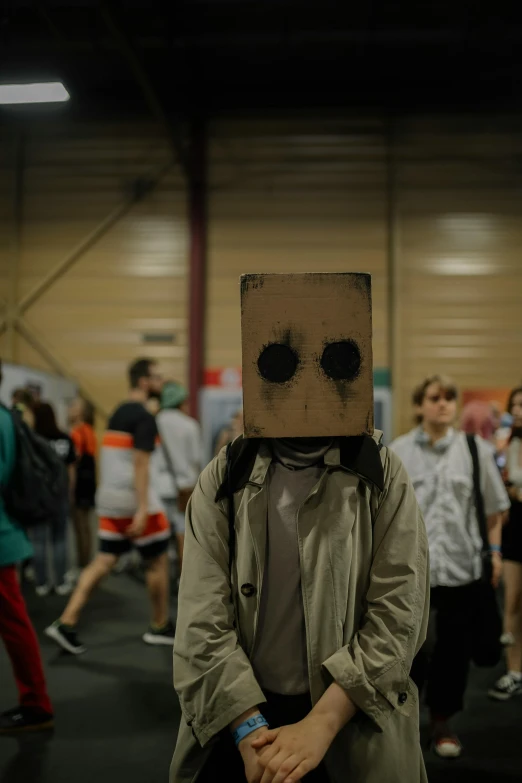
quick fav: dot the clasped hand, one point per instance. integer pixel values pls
(287, 754)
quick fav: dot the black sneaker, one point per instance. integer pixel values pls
(22, 719)
(164, 635)
(505, 688)
(66, 637)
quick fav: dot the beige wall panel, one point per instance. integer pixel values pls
(130, 282)
(8, 234)
(285, 195)
(461, 233)
(293, 196)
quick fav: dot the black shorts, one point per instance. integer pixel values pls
(512, 535)
(153, 541)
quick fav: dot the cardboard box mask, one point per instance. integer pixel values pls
(307, 355)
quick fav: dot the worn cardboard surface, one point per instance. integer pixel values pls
(307, 355)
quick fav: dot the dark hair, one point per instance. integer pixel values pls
(419, 392)
(512, 395)
(45, 422)
(138, 370)
(88, 414)
(23, 397)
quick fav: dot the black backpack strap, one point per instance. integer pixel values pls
(479, 500)
(168, 462)
(231, 512)
(360, 454)
(240, 458)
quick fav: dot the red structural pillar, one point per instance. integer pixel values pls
(197, 205)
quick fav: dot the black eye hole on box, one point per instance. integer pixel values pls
(341, 361)
(278, 363)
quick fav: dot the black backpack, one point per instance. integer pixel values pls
(38, 486)
(359, 455)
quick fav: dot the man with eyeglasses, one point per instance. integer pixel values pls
(440, 465)
(130, 512)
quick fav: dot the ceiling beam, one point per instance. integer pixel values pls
(246, 38)
(142, 188)
(59, 365)
(135, 65)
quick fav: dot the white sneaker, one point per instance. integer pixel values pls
(507, 639)
(65, 589)
(72, 575)
(505, 688)
(163, 636)
(42, 591)
(125, 563)
(448, 747)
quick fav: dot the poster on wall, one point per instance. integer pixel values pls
(55, 389)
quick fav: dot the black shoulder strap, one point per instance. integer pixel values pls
(361, 455)
(231, 511)
(479, 500)
(168, 461)
(240, 458)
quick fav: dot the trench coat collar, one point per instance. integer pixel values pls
(359, 455)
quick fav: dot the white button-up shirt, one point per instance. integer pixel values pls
(442, 476)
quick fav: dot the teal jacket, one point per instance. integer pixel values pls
(14, 544)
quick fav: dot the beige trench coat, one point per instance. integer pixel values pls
(365, 585)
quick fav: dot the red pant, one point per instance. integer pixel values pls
(21, 643)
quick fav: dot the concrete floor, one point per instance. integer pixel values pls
(117, 714)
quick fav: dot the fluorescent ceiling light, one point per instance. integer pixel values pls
(45, 92)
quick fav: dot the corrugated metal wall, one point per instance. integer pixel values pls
(309, 196)
(130, 282)
(285, 195)
(460, 239)
(299, 196)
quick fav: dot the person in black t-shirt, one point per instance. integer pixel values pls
(130, 513)
(45, 425)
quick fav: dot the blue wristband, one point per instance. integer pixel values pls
(494, 548)
(248, 727)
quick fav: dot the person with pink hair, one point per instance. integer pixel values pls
(478, 418)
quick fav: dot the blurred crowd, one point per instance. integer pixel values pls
(466, 471)
(136, 484)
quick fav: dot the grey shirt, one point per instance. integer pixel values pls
(442, 476)
(181, 439)
(280, 659)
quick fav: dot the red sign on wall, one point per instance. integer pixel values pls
(223, 377)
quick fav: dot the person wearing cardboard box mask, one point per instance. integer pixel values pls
(305, 594)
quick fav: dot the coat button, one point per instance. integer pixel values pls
(248, 590)
(403, 698)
